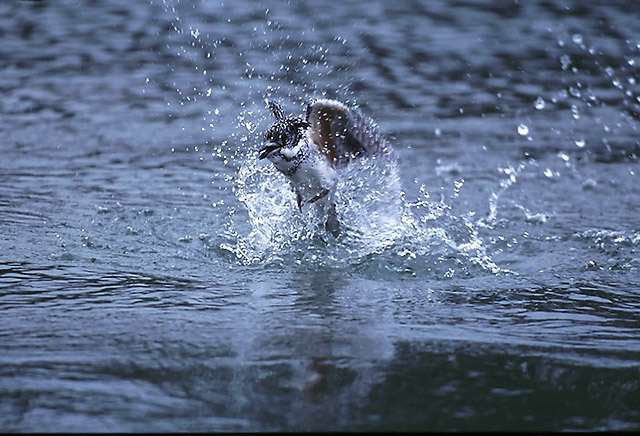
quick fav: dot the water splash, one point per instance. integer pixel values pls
(381, 229)
(512, 173)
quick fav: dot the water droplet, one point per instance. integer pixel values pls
(574, 112)
(563, 156)
(548, 173)
(580, 143)
(589, 184)
(577, 38)
(523, 129)
(438, 132)
(574, 91)
(209, 92)
(539, 103)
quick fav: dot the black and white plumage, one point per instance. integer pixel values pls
(308, 151)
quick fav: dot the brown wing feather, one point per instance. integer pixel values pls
(341, 133)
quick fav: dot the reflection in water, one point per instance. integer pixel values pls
(471, 387)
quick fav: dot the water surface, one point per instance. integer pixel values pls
(155, 277)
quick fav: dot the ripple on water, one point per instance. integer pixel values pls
(146, 285)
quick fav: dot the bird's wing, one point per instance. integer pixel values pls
(342, 133)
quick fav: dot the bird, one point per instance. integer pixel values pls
(310, 151)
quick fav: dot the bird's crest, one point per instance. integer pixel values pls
(276, 110)
(278, 113)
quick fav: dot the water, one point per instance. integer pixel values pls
(155, 277)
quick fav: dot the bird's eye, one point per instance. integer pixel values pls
(272, 137)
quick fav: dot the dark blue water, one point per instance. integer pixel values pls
(154, 276)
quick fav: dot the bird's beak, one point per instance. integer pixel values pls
(269, 148)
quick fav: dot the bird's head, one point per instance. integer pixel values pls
(284, 133)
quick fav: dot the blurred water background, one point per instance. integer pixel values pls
(155, 277)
